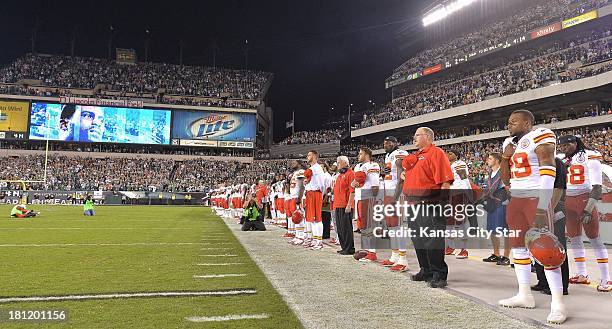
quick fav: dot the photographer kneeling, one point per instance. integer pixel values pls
(252, 218)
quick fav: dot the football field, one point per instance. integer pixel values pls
(133, 267)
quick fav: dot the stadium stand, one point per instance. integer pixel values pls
(571, 63)
(141, 78)
(536, 14)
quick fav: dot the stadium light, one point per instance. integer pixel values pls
(441, 11)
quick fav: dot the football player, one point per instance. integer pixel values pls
(391, 172)
(365, 193)
(461, 190)
(528, 167)
(584, 191)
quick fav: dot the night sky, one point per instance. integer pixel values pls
(323, 53)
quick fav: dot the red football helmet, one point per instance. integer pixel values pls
(360, 178)
(297, 216)
(545, 247)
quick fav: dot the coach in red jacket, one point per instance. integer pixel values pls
(343, 204)
(426, 173)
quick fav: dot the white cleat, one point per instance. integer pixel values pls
(557, 314)
(604, 286)
(317, 247)
(522, 301)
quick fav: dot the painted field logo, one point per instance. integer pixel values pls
(214, 125)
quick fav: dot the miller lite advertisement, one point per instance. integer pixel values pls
(213, 126)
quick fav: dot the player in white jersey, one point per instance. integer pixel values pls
(273, 196)
(280, 201)
(461, 193)
(315, 187)
(528, 167)
(296, 191)
(584, 191)
(365, 193)
(391, 173)
(287, 197)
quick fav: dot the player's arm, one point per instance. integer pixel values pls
(374, 174)
(400, 179)
(301, 188)
(463, 174)
(559, 191)
(546, 160)
(595, 175)
(504, 168)
(351, 198)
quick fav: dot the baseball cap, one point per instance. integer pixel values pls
(391, 139)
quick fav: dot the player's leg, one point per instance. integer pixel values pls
(317, 224)
(393, 226)
(601, 252)
(574, 205)
(516, 216)
(555, 283)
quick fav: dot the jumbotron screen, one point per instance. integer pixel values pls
(80, 123)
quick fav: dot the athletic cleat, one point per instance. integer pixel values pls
(288, 235)
(604, 286)
(556, 315)
(334, 241)
(463, 254)
(399, 268)
(317, 247)
(387, 263)
(522, 301)
(580, 279)
(298, 242)
(449, 251)
(371, 257)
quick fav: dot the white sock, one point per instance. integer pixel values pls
(522, 269)
(601, 253)
(401, 257)
(394, 256)
(579, 255)
(290, 227)
(317, 231)
(308, 230)
(299, 231)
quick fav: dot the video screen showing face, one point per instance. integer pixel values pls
(80, 123)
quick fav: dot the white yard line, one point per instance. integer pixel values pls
(128, 295)
(217, 264)
(101, 244)
(212, 276)
(232, 317)
(225, 255)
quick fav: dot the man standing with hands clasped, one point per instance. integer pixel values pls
(426, 173)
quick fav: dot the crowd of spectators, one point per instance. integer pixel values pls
(122, 148)
(313, 137)
(531, 74)
(87, 73)
(538, 14)
(127, 174)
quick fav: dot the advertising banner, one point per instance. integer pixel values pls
(546, 30)
(79, 123)
(580, 19)
(14, 119)
(101, 102)
(432, 69)
(190, 126)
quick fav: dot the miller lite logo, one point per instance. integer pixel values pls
(214, 125)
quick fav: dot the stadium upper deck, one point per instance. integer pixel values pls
(137, 79)
(539, 18)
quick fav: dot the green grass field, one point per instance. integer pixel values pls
(131, 249)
